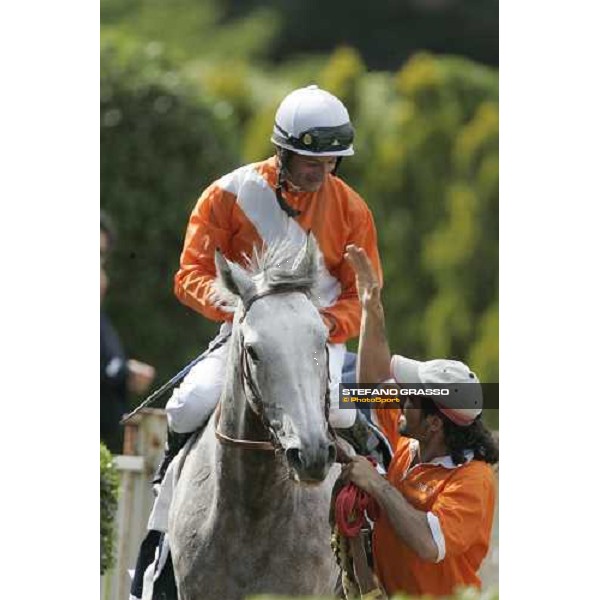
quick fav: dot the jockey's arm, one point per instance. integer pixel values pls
(208, 229)
(343, 317)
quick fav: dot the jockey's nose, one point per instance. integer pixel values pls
(311, 465)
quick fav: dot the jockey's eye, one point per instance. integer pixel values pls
(252, 353)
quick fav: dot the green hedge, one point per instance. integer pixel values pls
(162, 143)
(109, 487)
(432, 182)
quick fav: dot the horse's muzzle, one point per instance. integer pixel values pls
(311, 464)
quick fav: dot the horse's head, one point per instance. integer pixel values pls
(280, 353)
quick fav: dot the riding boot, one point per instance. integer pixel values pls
(175, 442)
(367, 440)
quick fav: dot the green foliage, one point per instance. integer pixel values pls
(341, 76)
(426, 163)
(109, 487)
(257, 144)
(187, 29)
(385, 33)
(431, 179)
(162, 144)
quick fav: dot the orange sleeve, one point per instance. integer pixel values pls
(346, 312)
(209, 228)
(465, 508)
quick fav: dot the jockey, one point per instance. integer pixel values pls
(286, 196)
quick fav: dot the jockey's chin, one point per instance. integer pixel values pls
(312, 186)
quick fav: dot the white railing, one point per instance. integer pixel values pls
(145, 435)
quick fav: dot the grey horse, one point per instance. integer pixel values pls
(250, 510)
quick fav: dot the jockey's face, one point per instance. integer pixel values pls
(309, 172)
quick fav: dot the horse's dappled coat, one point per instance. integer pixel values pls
(239, 524)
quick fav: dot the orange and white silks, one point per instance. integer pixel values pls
(240, 211)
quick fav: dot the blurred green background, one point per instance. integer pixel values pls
(189, 91)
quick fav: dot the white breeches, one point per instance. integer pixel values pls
(192, 403)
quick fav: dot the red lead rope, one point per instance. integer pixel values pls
(350, 506)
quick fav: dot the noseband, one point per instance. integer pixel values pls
(254, 399)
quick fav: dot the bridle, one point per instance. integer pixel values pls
(254, 399)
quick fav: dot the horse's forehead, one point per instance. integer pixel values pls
(277, 316)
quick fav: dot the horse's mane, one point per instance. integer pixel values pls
(270, 267)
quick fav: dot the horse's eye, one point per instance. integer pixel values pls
(252, 353)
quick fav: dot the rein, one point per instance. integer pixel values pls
(246, 444)
(254, 400)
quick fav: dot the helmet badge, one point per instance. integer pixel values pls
(307, 139)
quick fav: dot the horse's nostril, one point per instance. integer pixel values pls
(294, 458)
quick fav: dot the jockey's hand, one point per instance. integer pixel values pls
(329, 322)
(367, 284)
(361, 472)
(140, 376)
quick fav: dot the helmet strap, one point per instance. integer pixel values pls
(284, 156)
(338, 162)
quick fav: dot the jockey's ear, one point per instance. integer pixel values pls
(306, 265)
(233, 277)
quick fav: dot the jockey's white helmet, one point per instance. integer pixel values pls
(313, 122)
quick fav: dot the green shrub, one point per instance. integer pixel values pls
(162, 144)
(430, 175)
(109, 488)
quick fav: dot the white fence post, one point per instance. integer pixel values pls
(143, 447)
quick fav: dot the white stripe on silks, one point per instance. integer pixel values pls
(259, 203)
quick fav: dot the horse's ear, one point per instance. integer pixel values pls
(233, 277)
(307, 262)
